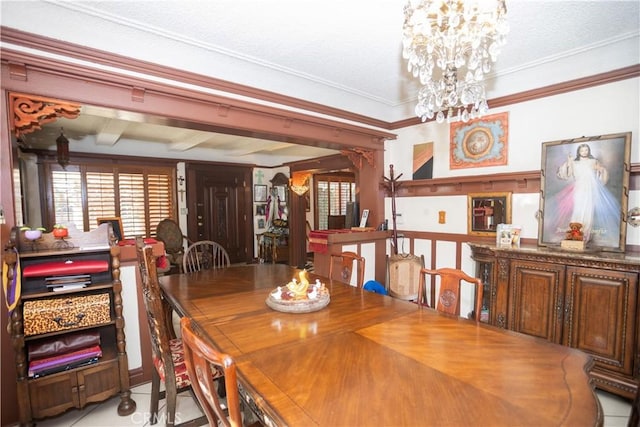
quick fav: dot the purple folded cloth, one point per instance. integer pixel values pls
(38, 366)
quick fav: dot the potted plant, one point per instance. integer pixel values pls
(60, 231)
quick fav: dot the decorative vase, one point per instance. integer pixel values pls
(60, 233)
(33, 234)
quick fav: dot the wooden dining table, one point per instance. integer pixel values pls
(372, 360)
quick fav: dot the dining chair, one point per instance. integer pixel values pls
(448, 300)
(204, 255)
(168, 232)
(167, 353)
(203, 362)
(403, 275)
(341, 267)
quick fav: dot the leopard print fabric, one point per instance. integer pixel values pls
(57, 314)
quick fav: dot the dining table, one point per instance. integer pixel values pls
(368, 359)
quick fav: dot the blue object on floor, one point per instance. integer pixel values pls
(373, 286)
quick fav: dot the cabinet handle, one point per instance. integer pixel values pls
(559, 309)
(567, 311)
(60, 321)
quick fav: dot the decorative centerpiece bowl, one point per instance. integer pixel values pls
(299, 296)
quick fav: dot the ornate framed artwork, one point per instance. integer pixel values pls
(485, 211)
(479, 142)
(586, 181)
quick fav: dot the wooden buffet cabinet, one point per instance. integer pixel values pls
(75, 385)
(584, 300)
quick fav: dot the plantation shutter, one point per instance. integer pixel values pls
(140, 196)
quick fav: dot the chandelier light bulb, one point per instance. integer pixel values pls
(450, 46)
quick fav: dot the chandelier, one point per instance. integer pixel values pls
(450, 46)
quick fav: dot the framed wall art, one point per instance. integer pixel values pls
(479, 142)
(259, 193)
(423, 161)
(586, 181)
(486, 210)
(116, 225)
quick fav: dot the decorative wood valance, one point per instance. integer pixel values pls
(31, 112)
(357, 154)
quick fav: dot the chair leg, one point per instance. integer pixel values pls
(172, 397)
(155, 396)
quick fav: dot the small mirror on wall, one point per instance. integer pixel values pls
(486, 210)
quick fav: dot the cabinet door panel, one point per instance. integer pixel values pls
(537, 299)
(602, 315)
(98, 383)
(53, 394)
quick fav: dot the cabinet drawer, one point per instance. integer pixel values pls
(57, 314)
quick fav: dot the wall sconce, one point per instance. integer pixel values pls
(62, 147)
(633, 217)
(299, 183)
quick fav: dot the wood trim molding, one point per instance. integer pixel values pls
(545, 91)
(357, 155)
(189, 106)
(31, 112)
(46, 44)
(516, 182)
(34, 41)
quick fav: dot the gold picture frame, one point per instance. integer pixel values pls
(116, 225)
(486, 210)
(571, 168)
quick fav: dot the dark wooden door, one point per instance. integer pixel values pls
(601, 314)
(218, 209)
(537, 295)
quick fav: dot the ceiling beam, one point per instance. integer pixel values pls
(111, 132)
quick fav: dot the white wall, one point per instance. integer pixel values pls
(605, 109)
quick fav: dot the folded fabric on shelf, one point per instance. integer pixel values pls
(63, 361)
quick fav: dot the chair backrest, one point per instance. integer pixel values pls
(204, 255)
(403, 275)
(168, 231)
(201, 360)
(341, 267)
(448, 300)
(156, 315)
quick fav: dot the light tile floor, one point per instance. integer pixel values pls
(616, 412)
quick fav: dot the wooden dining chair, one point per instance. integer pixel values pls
(168, 355)
(168, 232)
(448, 300)
(203, 362)
(204, 255)
(341, 267)
(403, 275)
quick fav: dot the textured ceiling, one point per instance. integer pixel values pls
(344, 54)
